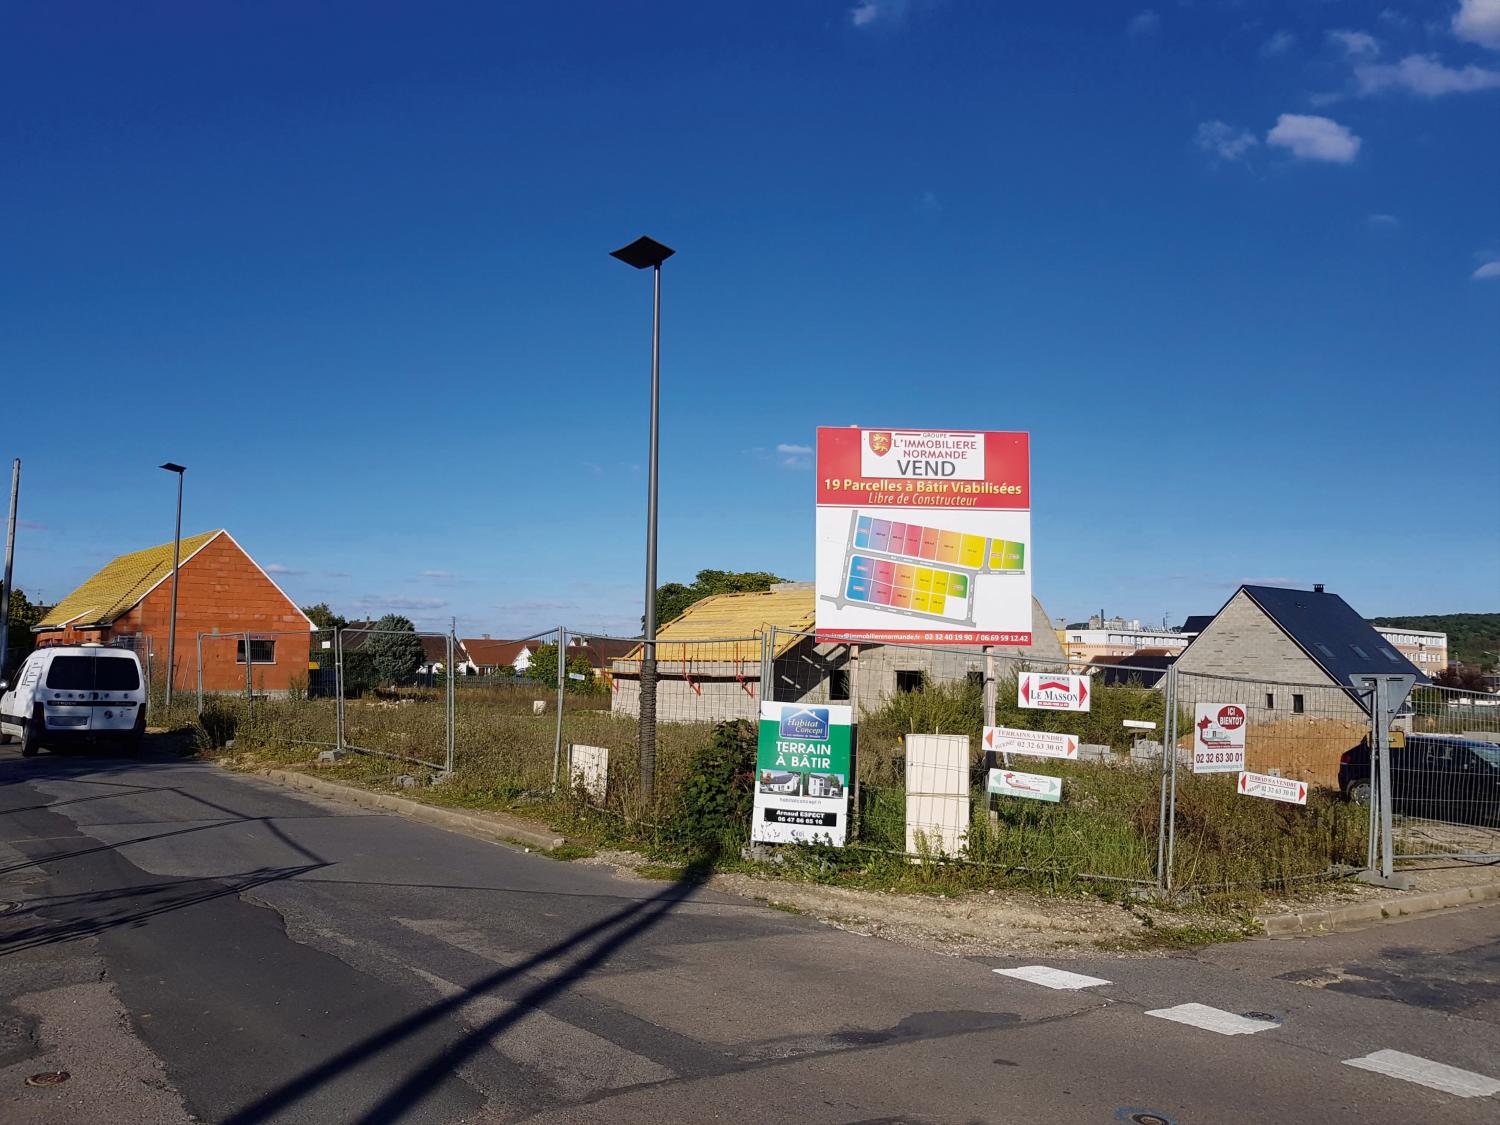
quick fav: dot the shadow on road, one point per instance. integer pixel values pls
(615, 932)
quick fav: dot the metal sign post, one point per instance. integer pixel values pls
(1386, 696)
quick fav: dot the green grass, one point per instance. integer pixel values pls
(1105, 828)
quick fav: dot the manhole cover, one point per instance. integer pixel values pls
(1142, 1116)
(1267, 1016)
(48, 1078)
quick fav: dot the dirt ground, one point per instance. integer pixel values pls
(989, 922)
(1013, 921)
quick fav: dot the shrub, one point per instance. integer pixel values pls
(714, 802)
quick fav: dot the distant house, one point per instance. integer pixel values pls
(1290, 639)
(709, 659)
(600, 652)
(487, 657)
(222, 591)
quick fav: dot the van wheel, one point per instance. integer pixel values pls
(1359, 794)
(31, 743)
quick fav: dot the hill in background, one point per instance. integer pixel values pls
(1470, 635)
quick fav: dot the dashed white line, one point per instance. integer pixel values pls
(1425, 1072)
(1213, 1019)
(1052, 978)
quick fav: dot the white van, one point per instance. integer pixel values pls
(75, 694)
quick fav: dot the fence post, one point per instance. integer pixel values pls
(249, 684)
(562, 674)
(452, 701)
(854, 819)
(338, 687)
(1165, 834)
(200, 673)
(989, 718)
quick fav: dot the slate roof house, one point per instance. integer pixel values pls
(1296, 637)
(223, 590)
(704, 674)
(1286, 656)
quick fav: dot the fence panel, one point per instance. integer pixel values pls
(1305, 732)
(505, 728)
(699, 683)
(1107, 823)
(395, 695)
(1445, 776)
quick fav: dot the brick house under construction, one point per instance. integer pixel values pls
(222, 591)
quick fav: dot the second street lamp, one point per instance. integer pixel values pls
(643, 253)
(180, 470)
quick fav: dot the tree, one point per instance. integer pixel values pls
(1464, 677)
(543, 666)
(324, 617)
(673, 599)
(21, 640)
(394, 649)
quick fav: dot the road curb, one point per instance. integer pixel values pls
(1323, 921)
(495, 827)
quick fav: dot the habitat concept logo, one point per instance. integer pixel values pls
(808, 723)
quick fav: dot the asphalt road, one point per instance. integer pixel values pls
(192, 945)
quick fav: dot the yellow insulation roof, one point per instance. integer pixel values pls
(120, 585)
(722, 616)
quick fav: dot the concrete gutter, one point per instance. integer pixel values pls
(1364, 913)
(495, 827)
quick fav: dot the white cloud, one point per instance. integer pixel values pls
(1314, 138)
(1224, 141)
(277, 568)
(387, 603)
(1394, 18)
(1145, 22)
(437, 574)
(1488, 270)
(792, 456)
(1425, 75)
(1478, 21)
(1356, 44)
(867, 13)
(1383, 220)
(1279, 44)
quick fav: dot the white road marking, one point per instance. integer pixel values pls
(1051, 978)
(1425, 1072)
(1213, 1019)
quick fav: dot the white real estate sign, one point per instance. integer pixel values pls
(1052, 691)
(1038, 744)
(1219, 738)
(1286, 789)
(1033, 786)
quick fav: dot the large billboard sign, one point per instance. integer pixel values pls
(802, 774)
(924, 536)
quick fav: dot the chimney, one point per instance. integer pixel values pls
(1317, 587)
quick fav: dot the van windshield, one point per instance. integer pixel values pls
(71, 673)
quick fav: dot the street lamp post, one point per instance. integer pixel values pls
(641, 253)
(176, 562)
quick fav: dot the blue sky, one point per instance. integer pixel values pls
(1235, 266)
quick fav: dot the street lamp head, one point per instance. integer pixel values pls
(171, 468)
(643, 252)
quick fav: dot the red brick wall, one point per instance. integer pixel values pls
(223, 591)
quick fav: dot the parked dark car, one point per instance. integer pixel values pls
(1435, 776)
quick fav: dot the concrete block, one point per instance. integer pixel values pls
(538, 706)
(406, 781)
(330, 755)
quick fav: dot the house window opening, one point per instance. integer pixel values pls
(262, 650)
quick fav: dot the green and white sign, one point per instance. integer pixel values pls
(1033, 786)
(802, 774)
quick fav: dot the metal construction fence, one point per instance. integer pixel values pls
(1132, 809)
